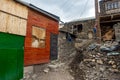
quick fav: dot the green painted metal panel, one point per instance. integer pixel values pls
(11, 56)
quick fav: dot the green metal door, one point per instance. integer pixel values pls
(11, 56)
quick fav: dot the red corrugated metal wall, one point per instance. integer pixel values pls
(38, 55)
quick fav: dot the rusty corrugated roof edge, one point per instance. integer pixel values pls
(39, 10)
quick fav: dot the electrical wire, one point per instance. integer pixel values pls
(84, 9)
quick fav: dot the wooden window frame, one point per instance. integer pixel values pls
(111, 5)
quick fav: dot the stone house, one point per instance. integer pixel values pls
(109, 19)
(80, 28)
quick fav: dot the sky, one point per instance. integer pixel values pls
(67, 10)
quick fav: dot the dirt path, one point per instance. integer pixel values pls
(51, 72)
(56, 75)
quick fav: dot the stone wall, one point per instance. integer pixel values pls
(87, 25)
(117, 31)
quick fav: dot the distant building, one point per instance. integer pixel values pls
(80, 28)
(61, 25)
(109, 19)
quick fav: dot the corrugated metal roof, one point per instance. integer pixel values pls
(39, 10)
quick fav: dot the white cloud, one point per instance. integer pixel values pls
(67, 10)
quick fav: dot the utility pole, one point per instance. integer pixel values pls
(96, 9)
(97, 21)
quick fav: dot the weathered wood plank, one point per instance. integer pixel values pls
(3, 22)
(22, 27)
(12, 24)
(38, 32)
(10, 6)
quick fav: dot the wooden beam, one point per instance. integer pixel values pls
(10, 6)
(97, 21)
(110, 21)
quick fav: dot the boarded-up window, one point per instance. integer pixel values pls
(38, 37)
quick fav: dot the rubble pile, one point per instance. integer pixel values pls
(98, 65)
(75, 71)
(88, 61)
